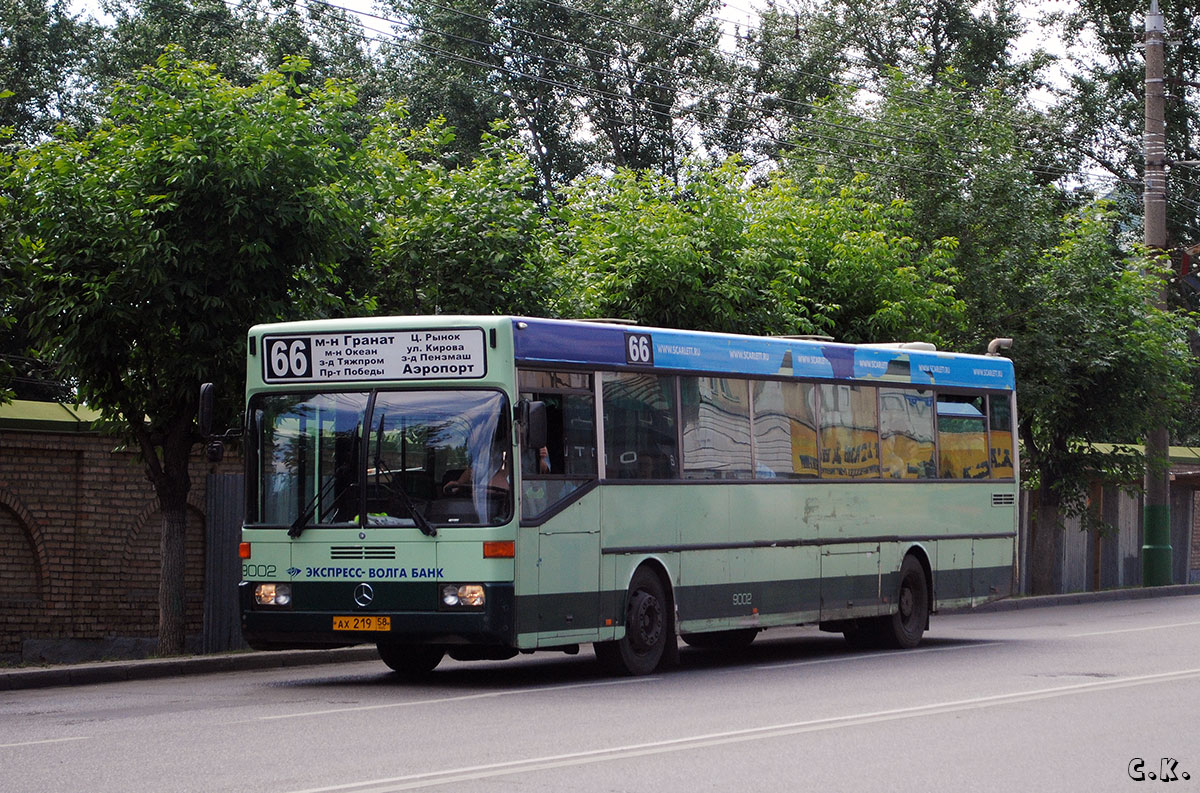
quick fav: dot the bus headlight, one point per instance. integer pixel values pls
(462, 595)
(273, 594)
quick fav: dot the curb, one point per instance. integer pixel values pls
(116, 671)
(1077, 598)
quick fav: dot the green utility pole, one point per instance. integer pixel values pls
(1156, 522)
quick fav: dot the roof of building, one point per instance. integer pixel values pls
(29, 416)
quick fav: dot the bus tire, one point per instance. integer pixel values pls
(410, 660)
(648, 629)
(904, 629)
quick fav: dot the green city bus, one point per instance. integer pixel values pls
(486, 486)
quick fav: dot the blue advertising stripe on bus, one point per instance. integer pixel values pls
(567, 342)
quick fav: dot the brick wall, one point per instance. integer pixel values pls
(79, 541)
(1194, 572)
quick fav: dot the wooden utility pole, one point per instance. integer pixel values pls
(1156, 523)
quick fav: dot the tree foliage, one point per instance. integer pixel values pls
(1039, 264)
(1098, 364)
(451, 240)
(718, 254)
(150, 244)
(42, 46)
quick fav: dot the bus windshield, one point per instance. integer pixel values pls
(386, 458)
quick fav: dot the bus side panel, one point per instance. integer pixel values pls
(705, 581)
(568, 570)
(850, 584)
(649, 516)
(952, 572)
(991, 572)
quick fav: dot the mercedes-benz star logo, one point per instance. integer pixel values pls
(363, 594)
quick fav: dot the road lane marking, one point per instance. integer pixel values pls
(45, 741)
(445, 700)
(474, 773)
(1133, 630)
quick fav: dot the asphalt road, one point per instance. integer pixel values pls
(1064, 699)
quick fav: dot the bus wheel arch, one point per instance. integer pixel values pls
(650, 640)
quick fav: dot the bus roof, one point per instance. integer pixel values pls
(573, 342)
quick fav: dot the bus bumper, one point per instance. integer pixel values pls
(414, 611)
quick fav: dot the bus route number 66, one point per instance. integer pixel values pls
(289, 358)
(638, 349)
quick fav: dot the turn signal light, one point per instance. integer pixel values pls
(500, 550)
(244, 550)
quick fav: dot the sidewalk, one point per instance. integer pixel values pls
(113, 671)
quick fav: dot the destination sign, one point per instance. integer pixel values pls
(434, 354)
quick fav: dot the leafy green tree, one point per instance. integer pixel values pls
(242, 40)
(451, 239)
(1039, 264)
(1103, 106)
(41, 47)
(977, 166)
(781, 257)
(939, 41)
(208, 30)
(780, 68)
(646, 70)
(148, 245)
(475, 63)
(1104, 103)
(633, 80)
(1096, 361)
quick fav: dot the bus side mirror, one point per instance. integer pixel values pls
(532, 416)
(215, 449)
(204, 416)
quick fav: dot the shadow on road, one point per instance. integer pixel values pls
(780, 646)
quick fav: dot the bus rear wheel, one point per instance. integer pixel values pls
(410, 660)
(648, 629)
(906, 626)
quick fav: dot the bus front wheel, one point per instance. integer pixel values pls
(648, 629)
(906, 626)
(410, 660)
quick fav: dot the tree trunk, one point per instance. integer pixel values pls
(172, 617)
(1045, 574)
(167, 468)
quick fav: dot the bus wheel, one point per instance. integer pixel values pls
(905, 628)
(648, 629)
(410, 660)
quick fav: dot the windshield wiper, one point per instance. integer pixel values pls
(396, 485)
(310, 510)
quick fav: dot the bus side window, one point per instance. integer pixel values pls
(906, 433)
(550, 475)
(715, 414)
(1000, 436)
(639, 426)
(849, 432)
(962, 437)
(785, 430)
